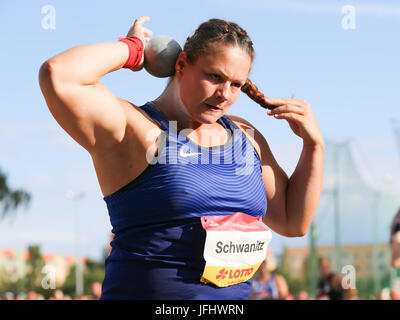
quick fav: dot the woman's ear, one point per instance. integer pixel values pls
(180, 64)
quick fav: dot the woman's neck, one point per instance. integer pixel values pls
(265, 277)
(171, 105)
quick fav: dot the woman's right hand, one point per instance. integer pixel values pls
(143, 34)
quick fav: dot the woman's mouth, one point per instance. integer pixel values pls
(213, 108)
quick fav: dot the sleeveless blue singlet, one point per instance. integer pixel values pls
(157, 251)
(269, 290)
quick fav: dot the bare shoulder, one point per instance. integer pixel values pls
(136, 116)
(130, 107)
(280, 278)
(116, 166)
(138, 124)
(239, 121)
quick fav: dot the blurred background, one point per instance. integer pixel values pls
(342, 57)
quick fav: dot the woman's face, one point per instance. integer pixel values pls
(210, 85)
(263, 268)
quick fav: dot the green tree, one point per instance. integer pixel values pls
(34, 266)
(32, 281)
(93, 271)
(365, 287)
(7, 284)
(11, 199)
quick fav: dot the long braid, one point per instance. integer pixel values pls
(256, 95)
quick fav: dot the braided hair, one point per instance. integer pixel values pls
(227, 33)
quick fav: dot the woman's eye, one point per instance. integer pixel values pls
(214, 76)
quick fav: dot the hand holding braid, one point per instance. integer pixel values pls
(252, 91)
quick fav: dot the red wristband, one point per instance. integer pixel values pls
(135, 51)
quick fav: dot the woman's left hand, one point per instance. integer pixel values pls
(300, 117)
(143, 34)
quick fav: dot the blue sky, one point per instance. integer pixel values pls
(348, 76)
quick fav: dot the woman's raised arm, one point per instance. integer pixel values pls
(86, 109)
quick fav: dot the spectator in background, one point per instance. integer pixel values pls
(379, 296)
(96, 290)
(330, 284)
(269, 285)
(40, 297)
(57, 295)
(21, 296)
(32, 295)
(384, 294)
(394, 294)
(303, 295)
(395, 241)
(352, 294)
(289, 296)
(9, 296)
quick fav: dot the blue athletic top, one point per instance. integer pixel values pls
(268, 290)
(157, 250)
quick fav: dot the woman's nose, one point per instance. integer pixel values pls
(223, 91)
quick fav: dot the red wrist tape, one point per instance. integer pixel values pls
(135, 51)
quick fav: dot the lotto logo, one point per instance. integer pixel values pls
(222, 274)
(234, 273)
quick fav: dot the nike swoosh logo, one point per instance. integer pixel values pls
(184, 155)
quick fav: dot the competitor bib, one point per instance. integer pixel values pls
(235, 247)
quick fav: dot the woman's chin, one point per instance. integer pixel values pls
(206, 118)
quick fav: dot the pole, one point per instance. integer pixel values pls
(313, 260)
(78, 261)
(396, 131)
(336, 208)
(375, 242)
(78, 265)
